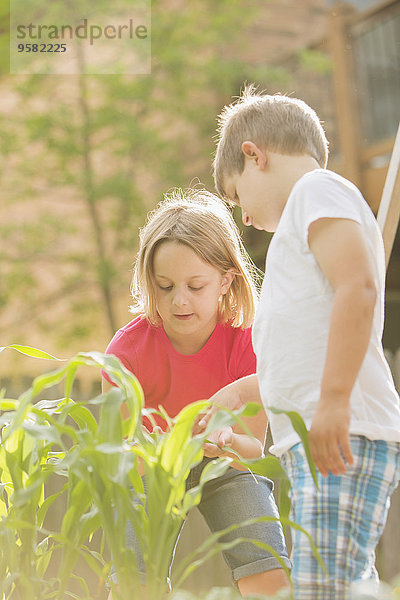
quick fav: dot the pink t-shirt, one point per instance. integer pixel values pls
(173, 379)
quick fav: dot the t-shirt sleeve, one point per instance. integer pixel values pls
(243, 360)
(323, 196)
(121, 347)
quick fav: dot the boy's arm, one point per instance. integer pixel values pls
(340, 249)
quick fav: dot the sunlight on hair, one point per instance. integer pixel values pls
(276, 122)
(203, 222)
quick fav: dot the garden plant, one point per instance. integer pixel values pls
(96, 459)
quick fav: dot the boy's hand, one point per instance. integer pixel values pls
(222, 438)
(329, 438)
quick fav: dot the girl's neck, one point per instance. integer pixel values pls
(188, 345)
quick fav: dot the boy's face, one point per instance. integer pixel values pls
(256, 190)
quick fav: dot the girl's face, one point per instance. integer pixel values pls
(187, 293)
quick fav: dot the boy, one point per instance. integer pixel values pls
(317, 335)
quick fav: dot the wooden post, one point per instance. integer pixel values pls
(389, 208)
(343, 81)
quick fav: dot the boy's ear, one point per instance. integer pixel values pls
(227, 279)
(253, 152)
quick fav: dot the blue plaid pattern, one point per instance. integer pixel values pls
(345, 518)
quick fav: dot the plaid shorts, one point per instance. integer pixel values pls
(345, 518)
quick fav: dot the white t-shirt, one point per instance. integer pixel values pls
(291, 327)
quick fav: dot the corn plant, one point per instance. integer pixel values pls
(97, 461)
(218, 593)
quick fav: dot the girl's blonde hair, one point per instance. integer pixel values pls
(277, 123)
(202, 222)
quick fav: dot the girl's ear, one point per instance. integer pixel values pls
(227, 279)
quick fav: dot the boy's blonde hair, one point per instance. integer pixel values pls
(202, 222)
(277, 123)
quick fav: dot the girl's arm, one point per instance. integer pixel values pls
(340, 249)
(234, 396)
(246, 446)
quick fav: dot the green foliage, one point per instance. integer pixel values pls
(317, 62)
(94, 153)
(4, 36)
(98, 464)
(301, 430)
(227, 594)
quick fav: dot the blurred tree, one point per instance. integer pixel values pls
(90, 155)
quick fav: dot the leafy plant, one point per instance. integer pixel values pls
(97, 463)
(218, 593)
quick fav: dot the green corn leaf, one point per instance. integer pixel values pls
(214, 469)
(84, 587)
(188, 414)
(284, 500)
(19, 524)
(209, 547)
(31, 492)
(95, 561)
(47, 380)
(78, 504)
(44, 507)
(83, 417)
(8, 404)
(117, 372)
(224, 546)
(163, 413)
(249, 410)
(268, 466)
(179, 436)
(222, 418)
(43, 408)
(225, 417)
(42, 563)
(30, 351)
(136, 481)
(110, 425)
(301, 430)
(89, 523)
(19, 416)
(69, 379)
(42, 432)
(192, 498)
(192, 454)
(109, 448)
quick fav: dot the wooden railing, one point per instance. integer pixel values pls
(364, 154)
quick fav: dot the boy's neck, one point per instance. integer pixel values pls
(292, 168)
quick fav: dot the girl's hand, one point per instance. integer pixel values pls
(158, 430)
(222, 438)
(155, 429)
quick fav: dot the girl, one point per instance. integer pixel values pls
(194, 300)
